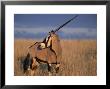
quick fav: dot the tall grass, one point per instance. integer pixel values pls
(79, 58)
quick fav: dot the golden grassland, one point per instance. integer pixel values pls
(79, 58)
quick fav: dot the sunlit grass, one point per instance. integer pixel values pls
(79, 58)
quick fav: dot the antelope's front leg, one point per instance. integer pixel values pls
(49, 69)
(57, 68)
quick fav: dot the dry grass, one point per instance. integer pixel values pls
(79, 58)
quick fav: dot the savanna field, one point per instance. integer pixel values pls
(79, 58)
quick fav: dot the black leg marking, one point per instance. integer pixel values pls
(49, 68)
(57, 69)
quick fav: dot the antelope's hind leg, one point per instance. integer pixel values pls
(34, 66)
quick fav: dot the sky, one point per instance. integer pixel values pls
(37, 26)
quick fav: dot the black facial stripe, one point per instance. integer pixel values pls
(53, 52)
(48, 40)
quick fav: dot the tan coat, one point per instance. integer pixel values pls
(43, 54)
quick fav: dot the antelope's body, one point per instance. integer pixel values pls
(46, 52)
(44, 55)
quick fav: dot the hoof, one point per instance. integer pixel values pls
(57, 69)
(32, 72)
(57, 74)
(50, 74)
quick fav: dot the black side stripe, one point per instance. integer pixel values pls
(39, 60)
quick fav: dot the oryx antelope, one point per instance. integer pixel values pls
(50, 54)
(48, 51)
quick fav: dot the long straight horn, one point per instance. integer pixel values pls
(33, 44)
(66, 23)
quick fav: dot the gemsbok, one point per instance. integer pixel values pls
(50, 54)
(48, 51)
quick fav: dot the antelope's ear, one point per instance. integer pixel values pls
(52, 31)
(49, 33)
